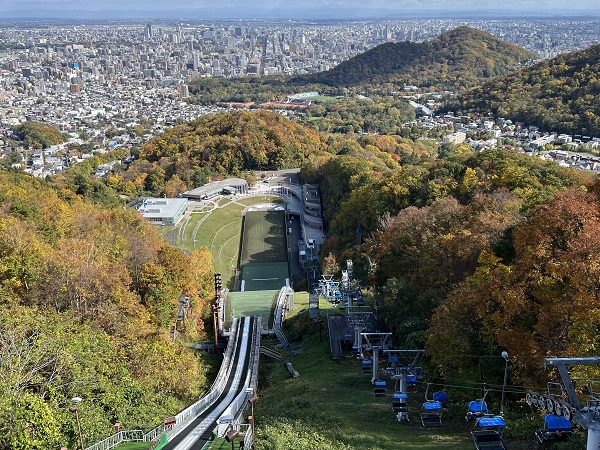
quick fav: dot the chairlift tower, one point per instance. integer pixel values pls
(376, 342)
(567, 404)
(403, 363)
(357, 320)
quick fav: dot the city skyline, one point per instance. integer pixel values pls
(326, 9)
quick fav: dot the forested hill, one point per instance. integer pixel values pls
(187, 155)
(560, 94)
(461, 57)
(87, 298)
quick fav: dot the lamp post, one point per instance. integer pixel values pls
(505, 356)
(73, 409)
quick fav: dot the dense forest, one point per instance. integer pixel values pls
(559, 94)
(87, 299)
(454, 227)
(359, 115)
(189, 155)
(459, 58)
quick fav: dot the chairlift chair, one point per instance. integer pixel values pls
(411, 379)
(367, 366)
(440, 396)
(431, 414)
(477, 409)
(486, 434)
(400, 405)
(379, 389)
(556, 429)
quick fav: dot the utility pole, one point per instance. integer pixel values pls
(505, 356)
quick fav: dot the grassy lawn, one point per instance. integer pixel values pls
(220, 232)
(191, 225)
(332, 405)
(222, 444)
(135, 446)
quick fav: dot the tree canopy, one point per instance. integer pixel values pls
(558, 94)
(87, 299)
(461, 57)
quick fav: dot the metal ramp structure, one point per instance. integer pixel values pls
(228, 396)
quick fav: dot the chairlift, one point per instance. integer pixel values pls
(411, 379)
(556, 429)
(392, 361)
(477, 408)
(486, 434)
(379, 389)
(400, 405)
(367, 366)
(431, 414)
(441, 396)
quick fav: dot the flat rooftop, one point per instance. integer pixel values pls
(161, 207)
(201, 191)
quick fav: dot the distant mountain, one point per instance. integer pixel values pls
(560, 94)
(461, 57)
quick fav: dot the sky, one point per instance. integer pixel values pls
(302, 8)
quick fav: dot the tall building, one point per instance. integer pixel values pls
(149, 32)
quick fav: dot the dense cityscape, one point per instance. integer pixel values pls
(69, 74)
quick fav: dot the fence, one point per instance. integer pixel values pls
(117, 439)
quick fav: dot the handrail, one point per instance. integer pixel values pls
(193, 410)
(185, 417)
(117, 439)
(279, 317)
(273, 354)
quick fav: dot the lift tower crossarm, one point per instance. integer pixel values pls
(561, 364)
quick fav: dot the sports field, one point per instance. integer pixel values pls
(264, 257)
(264, 237)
